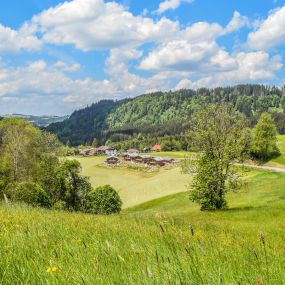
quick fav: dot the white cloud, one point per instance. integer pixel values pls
(50, 84)
(93, 24)
(14, 41)
(170, 5)
(251, 67)
(63, 66)
(270, 33)
(237, 22)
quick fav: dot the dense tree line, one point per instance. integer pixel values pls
(33, 170)
(165, 113)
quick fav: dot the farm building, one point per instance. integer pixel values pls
(130, 157)
(156, 161)
(168, 160)
(88, 151)
(106, 150)
(112, 160)
(133, 151)
(156, 148)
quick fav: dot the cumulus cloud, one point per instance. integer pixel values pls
(251, 67)
(270, 33)
(48, 82)
(170, 5)
(93, 24)
(175, 57)
(14, 41)
(237, 22)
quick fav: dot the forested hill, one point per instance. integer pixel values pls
(165, 113)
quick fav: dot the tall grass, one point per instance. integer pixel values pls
(165, 241)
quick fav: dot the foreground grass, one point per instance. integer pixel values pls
(152, 243)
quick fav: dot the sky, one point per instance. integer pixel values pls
(56, 57)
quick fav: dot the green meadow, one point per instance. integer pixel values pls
(280, 160)
(135, 184)
(163, 241)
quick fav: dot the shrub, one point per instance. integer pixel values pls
(104, 200)
(32, 194)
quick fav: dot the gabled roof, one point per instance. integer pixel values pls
(156, 147)
(104, 148)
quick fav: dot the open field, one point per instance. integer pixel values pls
(280, 160)
(135, 186)
(151, 243)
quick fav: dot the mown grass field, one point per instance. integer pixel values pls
(135, 186)
(280, 160)
(164, 241)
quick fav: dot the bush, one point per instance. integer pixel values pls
(32, 194)
(104, 200)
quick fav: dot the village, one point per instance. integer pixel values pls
(131, 156)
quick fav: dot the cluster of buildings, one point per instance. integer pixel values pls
(131, 156)
(107, 150)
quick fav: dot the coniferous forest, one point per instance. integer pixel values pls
(164, 116)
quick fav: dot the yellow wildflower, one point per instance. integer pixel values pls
(52, 269)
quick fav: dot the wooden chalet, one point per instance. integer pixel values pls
(133, 151)
(88, 152)
(156, 161)
(168, 160)
(112, 160)
(104, 149)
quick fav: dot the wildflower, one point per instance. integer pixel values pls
(52, 269)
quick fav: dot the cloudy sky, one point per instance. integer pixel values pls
(59, 56)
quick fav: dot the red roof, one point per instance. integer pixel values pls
(156, 147)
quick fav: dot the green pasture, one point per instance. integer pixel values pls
(135, 185)
(164, 241)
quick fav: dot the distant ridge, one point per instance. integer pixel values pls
(40, 121)
(165, 113)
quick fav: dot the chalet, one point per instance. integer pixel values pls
(146, 159)
(131, 157)
(138, 159)
(133, 151)
(106, 150)
(112, 160)
(156, 148)
(168, 160)
(88, 152)
(156, 161)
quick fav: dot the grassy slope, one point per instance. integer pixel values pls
(134, 186)
(280, 160)
(151, 243)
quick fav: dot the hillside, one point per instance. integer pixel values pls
(160, 114)
(40, 121)
(165, 241)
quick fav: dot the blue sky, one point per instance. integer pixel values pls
(57, 56)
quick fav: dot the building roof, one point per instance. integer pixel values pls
(156, 147)
(132, 150)
(104, 148)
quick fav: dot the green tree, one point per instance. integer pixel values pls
(264, 138)
(104, 200)
(17, 149)
(94, 142)
(219, 134)
(31, 193)
(73, 186)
